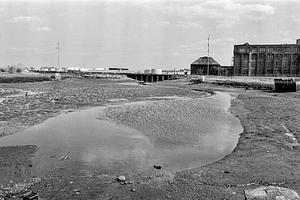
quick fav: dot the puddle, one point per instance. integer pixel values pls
(79, 138)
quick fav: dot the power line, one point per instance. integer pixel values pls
(58, 48)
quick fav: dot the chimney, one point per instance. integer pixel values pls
(298, 41)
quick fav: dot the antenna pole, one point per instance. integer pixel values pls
(58, 47)
(208, 55)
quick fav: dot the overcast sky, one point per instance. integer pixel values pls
(140, 34)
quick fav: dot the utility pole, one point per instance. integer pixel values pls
(58, 47)
(208, 55)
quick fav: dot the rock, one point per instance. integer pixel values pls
(132, 190)
(121, 178)
(157, 166)
(271, 193)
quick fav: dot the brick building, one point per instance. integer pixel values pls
(267, 60)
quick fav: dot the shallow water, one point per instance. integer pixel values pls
(79, 138)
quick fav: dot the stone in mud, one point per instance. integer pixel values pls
(121, 178)
(271, 193)
(157, 166)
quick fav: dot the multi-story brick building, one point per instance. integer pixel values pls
(267, 60)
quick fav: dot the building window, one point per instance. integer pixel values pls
(242, 50)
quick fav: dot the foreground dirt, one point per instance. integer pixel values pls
(267, 152)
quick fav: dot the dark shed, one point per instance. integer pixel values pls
(199, 67)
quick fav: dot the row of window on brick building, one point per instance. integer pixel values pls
(270, 64)
(276, 56)
(279, 49)
(272, 49)
(270, 56)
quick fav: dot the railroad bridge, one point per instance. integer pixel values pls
(150, 77)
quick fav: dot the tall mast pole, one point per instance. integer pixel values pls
(58, 47)
(208, 55)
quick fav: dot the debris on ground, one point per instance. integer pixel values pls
(271, 193)
(157, 166)
(19, 190)
(30, 196)
(77, 191)
(123, 181)
(121, 178)
(64, 158)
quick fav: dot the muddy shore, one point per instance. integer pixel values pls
(267, 152)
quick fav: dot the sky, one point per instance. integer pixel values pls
(139, 34)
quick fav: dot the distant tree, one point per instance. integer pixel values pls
(2, 69)
(18, 70)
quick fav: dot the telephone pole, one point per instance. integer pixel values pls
(208, 55)
(58, 48)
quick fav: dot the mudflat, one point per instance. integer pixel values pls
(267, 152)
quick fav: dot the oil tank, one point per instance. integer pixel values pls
(156, 71)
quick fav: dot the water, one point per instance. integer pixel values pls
(92, 143)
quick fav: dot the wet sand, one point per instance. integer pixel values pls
(195, 131)
(266, 154)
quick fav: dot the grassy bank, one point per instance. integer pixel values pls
(23, 77)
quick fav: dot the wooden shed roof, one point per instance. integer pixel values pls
(204, 60)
